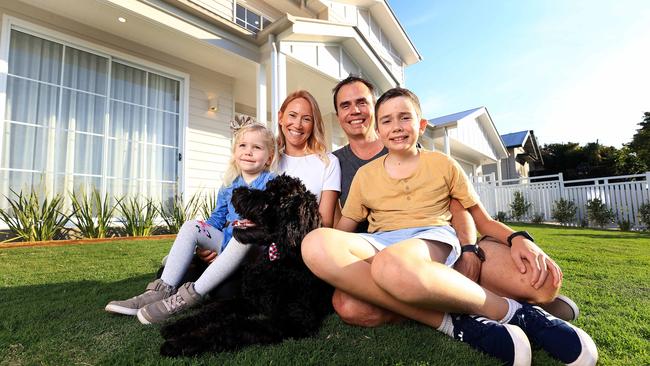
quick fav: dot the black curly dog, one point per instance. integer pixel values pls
(279, 297)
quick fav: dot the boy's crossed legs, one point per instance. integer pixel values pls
(354, 266)
(498, 274)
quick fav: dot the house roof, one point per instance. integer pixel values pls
(452, 117)
(527, 140)
(464, 144)
(515, 139)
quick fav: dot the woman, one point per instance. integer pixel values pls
(301, 144)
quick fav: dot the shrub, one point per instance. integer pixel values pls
(538, 218)
(644, 215)
(32, 218)
(624, 225)
(208, 204)
(92, 213)
(501, 216)
(519, 206)
(598, 213)
(137, 216)
(564, 211)
(177, 213)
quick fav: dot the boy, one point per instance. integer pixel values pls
(403, 265)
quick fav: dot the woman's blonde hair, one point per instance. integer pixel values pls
(233, 170)
(315, 142)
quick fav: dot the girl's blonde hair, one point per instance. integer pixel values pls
(233, 170)
(315, 142)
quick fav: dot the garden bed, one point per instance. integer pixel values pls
(58, 243)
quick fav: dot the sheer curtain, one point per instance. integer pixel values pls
(63, 131)
(32, 107)
(143, 133)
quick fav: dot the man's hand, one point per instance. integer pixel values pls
(469, 265)
(541, 264)
(206, 255)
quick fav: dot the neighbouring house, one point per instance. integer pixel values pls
(523, 158)
(135, 96)
(470, 137)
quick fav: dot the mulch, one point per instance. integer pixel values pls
(58, 243)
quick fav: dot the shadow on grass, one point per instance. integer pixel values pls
(617, 235)
(65, 323)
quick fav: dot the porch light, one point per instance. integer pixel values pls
(121, 19)
(213, 104)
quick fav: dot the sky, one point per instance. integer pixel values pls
(571, 70)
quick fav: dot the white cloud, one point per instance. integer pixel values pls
(421, 19)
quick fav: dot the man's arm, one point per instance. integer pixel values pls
(468, 264)
(346, 224)
(521, 248)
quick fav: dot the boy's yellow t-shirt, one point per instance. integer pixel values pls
(419, 200)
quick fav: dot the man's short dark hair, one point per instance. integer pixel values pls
(349, 80)
(399, 92)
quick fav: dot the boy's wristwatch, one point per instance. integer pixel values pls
(474, 248)
(519, 233)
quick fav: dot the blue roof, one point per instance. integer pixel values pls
(452, 117)
(514, 139)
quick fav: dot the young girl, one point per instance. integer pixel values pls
(252, 162)
(404, 263)
(303, 154)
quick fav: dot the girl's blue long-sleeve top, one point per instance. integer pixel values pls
(225, 212)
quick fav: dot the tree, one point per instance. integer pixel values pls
(640, 143)
(575, 161)
(628, 162)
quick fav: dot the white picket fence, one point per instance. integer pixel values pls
(623, 194)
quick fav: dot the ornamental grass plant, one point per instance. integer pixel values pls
(93, 213)
(176, 212)
(34, 217)
(137, 216)
(208, 204)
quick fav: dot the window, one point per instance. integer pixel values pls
(77, 119)
(251, 20)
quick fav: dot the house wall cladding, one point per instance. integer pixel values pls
(330, 59)
(205, 143)
(223, 8)
(472, 134)
(371, 29)
(208, 136)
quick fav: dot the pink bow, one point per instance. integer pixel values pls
(273, 252)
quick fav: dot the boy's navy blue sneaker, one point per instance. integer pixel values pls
(503, 341)
(560, 339)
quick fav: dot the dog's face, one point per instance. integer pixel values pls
(283, 213)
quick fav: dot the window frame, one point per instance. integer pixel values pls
(262, 16)
(10, 23)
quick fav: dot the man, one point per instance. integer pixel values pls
(354, 103)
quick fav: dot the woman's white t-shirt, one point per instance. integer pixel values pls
(311, 170)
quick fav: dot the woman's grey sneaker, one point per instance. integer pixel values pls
(506, 342)
(155, 291)
(159, 311)
(560, 339)
(562, 307)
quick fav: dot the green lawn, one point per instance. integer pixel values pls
(52, 300)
